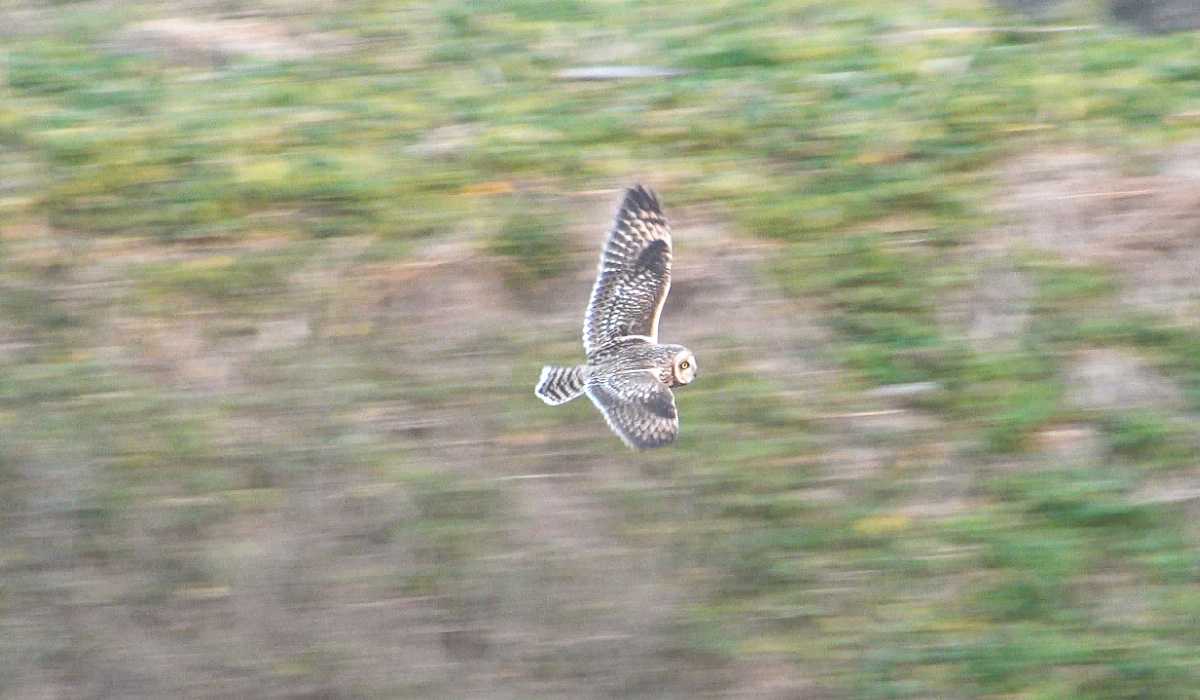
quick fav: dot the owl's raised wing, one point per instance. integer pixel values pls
(634, 275)
(639, 408)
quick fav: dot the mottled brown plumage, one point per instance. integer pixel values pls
(628, 374)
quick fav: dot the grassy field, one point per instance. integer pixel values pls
(276, 281)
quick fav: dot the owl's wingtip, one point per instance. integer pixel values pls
(641, 197)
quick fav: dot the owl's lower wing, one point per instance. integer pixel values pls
(634, 275)
(639, 408)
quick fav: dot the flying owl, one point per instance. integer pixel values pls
(629, 374)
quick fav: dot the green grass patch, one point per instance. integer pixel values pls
(533, 243)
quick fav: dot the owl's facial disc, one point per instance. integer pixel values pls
(685, 367)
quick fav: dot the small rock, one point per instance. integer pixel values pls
(617, 73)
(1033, 8)
(1106, 379)
(1158, 16)
(278, 335)
(1071, 444)
(950, 66)
(444, 142)
(1180, 490)
(182, 38)
(904, 391)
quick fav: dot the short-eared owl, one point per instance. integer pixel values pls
(628, 374)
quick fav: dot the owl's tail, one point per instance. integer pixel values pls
(558, 385)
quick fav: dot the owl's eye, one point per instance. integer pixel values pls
(684, 365)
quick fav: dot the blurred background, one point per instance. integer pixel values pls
(277, 279)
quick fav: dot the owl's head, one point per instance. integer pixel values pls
(684, 367)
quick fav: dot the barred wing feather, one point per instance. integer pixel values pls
(634, 274)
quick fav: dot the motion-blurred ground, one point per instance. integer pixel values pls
(276, 280)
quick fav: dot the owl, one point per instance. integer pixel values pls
(629, 374)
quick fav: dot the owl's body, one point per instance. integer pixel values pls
(636, 354)
(628, 374)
